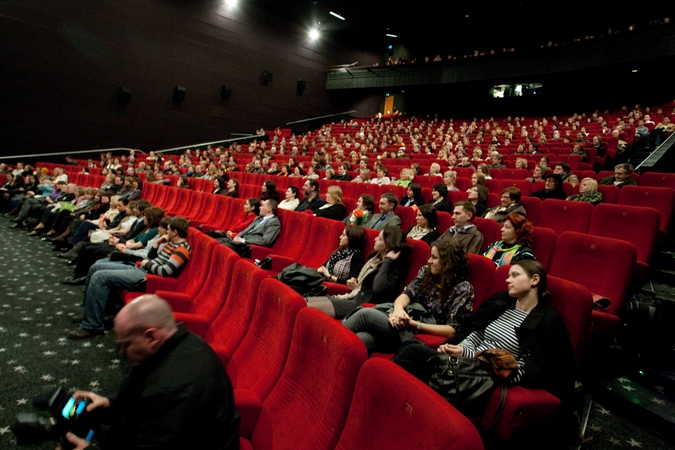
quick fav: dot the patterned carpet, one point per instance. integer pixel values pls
(35, 315)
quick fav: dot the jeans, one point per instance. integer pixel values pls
(373, 328)
(104, 278)
(82, 231)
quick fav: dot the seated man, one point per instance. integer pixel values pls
(312, 200)
(621, 176)
(106, 278)
(262, 231)
(387, 216)
(497, 162)
(552, 188)
(510, 203)
(464, 231)
(164, 402)
(565, 171)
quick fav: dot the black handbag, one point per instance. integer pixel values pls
(465, 382)
(304, 280)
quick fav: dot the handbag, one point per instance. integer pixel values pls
(303, 280)
(465, 382)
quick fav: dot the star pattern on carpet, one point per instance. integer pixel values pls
(634, 443)
(602, 410)
(35, 315)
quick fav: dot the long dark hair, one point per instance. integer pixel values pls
(394, 240)
(455, 261)
(356, 237)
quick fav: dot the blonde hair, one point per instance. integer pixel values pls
(592, 184)
(365, 175)
(522, 161)
(452, 175)
(336, 193)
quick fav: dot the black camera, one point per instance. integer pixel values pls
(66, 414)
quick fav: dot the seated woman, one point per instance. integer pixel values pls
(427, 225)
(381, 177)
(516, 241)
(362, 177)
(485, 170)
(441, 288)
(588, 192)
(414, 196)
(450, 178)
(347, 260)
(477, 178)
(519, 320)
(552, 188)
(537, 174)
(251, 211)
(333, 208)
(219, 186)
(291, 201)
(545, 164)
(183, 182)
(521, 163)
(478, 198)
(381, 278)
(269, 191)
(365, 207)
(405, 178)
(439, 198)
(434, 170)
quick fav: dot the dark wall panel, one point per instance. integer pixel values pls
(61, 64)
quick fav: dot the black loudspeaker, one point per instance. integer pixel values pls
(225, 92)
(302, 85)
(123, 96)
(179, 93)
(266, 76)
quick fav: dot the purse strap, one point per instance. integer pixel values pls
(454, 362)
(498, 413)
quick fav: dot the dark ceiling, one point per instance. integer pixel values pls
(428, 28)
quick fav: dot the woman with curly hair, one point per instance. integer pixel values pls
(439, 300)
(516, 241)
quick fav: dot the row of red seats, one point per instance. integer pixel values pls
(301, 379)
(294, 369)
(555, 217)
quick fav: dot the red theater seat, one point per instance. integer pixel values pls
(661, 199)
(257, 363)
(544, 242)
(561, 216)
(390, 407)
(308, 406)
(635, 224)
(604, 266)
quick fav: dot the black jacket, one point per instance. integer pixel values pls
(181, 397)
(544, 341)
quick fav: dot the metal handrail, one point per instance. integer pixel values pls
(39, 155)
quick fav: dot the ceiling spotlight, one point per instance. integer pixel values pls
(336, 15)
(634, 70)
(231, 3)
(314, 34)
(391, 35)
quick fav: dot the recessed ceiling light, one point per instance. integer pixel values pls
(314, 34)
(391, 35)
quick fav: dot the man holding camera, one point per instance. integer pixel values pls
(177, 395)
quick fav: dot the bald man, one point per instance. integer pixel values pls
(178, 395)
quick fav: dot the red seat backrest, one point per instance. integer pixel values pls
(635, 224)
(661, 199)
(561, 216)
(603, 265)
(544, 242)
(258, 361)
(387, 394)
(307, 409)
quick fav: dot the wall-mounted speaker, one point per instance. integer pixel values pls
(266, 76)
(225, 92)
(123, 96)
(179, 93)
(300, 88)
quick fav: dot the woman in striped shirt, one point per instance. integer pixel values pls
(519, 320)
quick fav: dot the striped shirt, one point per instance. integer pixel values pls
(500, 333)
(170, 260)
